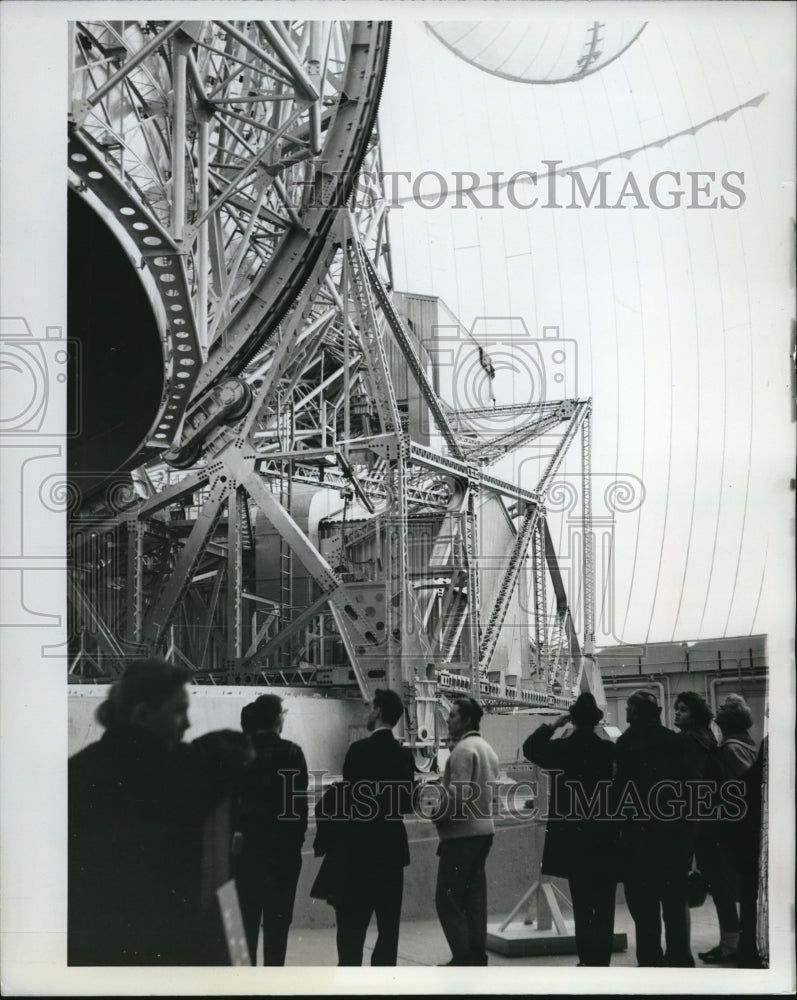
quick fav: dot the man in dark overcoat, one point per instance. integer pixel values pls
(378, 774)
(580, 837)
(651, 799)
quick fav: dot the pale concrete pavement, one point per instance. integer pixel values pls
(422, 943)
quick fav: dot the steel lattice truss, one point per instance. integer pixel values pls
(232, 148)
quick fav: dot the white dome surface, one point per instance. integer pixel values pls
(676, 320)
(538, 51)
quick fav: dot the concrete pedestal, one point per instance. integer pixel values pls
(521, 939)
(550, 934)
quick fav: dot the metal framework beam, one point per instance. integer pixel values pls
(588, 569)
(540, 596)
(287, 300)
(414, 365)
(160, 614)
(235, 524)
(257, 660)
(274, 290)
(374, 348)
(497, 447)
(577, 419)
(507, 587)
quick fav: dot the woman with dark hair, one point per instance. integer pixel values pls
(150, 694)
(693, 717)
(138, 799)
(580, 846)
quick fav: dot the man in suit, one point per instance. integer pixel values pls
(378, 773)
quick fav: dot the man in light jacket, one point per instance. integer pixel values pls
(465, 826)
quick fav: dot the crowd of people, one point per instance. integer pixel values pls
(140, 798)
(676, 803)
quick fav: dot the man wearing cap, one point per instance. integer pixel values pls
(579, 838)
(655, 843)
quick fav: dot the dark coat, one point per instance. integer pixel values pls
(736, 755)
(744, 834)
(647, 754)
(359, 827)
(580, 841)
(270, 809)
(332, 843)
(700, 750)
(360, 830)
(136, 815)
(749, 838)
(703, 765)
(379, 773)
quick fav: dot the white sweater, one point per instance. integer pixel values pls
(469, 783)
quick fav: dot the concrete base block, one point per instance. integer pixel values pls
(520, 939)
